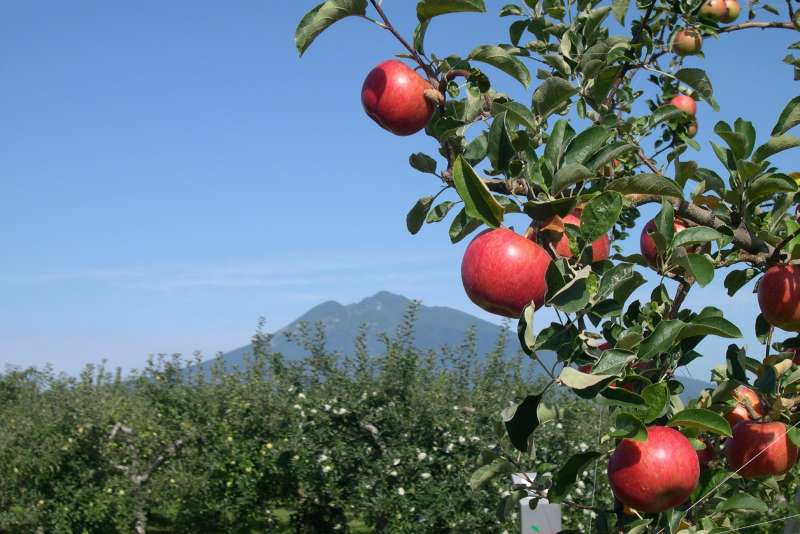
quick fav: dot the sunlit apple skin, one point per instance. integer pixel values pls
(685, 103)
(687, 42)
(655, 475)
(779, 297)
(749, 439)
(732, 11)
(740, 413)
(600, 247)
(393, 95)
(503, 272)
(714, 9)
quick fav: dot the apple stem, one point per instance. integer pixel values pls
(776, 254)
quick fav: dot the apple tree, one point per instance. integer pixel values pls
(608, 127)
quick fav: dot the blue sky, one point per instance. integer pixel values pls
(172, 171)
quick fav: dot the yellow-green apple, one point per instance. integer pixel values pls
(732, 11)
(393, 95)
(503, 272)
(687, 42)
(654, 475)
(760, 449)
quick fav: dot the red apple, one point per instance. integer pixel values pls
(685, 103)
(740, 413)
(796, 356)
(779, 297)
(760, 449)
(714, 9)
(707, 454)
(600, 247)
(654, 475)
(687, 42)
(393, 95)
(732, 12)
(503, 272)
(648, 246)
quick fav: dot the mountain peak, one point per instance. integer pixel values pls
(383, 299)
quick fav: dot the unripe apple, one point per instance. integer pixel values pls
(691, 130)
(760, 449)
(393, 95)
(503, 272)
(732, 11)
(739, 413)
(684, 103)
(600, 247)
(714, 9)
(654, 475)
(779, 297)
(796, 20)
(687, 42)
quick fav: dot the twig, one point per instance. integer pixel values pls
(775, 256)
(389, 26)
(757, 25)
(680, 296)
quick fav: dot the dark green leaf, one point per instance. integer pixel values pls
(736, 279)
(439, 211)
(543, 210)
(586, 144)
(552, 95)
(743, 502)
(478, 201)
(662, 338)
(628, 426)
(422, 162)
(696, 234)
(657, 398)
(502, 59)
(527, 336)
(517, 112)
(774, 145)
(428, 9)
(522, 421)
(500, 149)
(568, 474)
(648, 184)
(568, 175)
(559, 137)
(416, 217)
(697, 80)
(790, 117)
(321, 17)
(703, 420)
(600, 214)
(419, 36)
(698, 265)
(486, 473)
(763, 187)
(462, 226)
(609, 153)
(710, 326)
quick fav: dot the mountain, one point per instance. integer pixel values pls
(435, 327)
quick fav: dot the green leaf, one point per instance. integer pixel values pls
(736, 141)
(710, 326)
(416, 217)
(698, 80)
(522, 421)
(321, 17)
(567, 175)
(517, 112)
(620, 8)
(600, 215)
(552, 95)
(790, 117)
(622, 397)
(462, 226)
(657, 398)
(568, 474)
(665, 226)
(747, 129)
(609, 153)
(586, 144)
(422, 162)
(427, 9)
(419, 36)
(560, 135)
(574, 379)
(662, 338)
(486, 473)
(774, 145)
(541, 210)
(439, 211)
(477, 149)
(703, 420)
(628, 426)
(647, 184)
(502, 59)
(695, 234)
(743, 502)
(698, 265)
(767, 185)
(525, 332)
(500, 149)
(736, 279)
(478, 201)
(665, 113)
